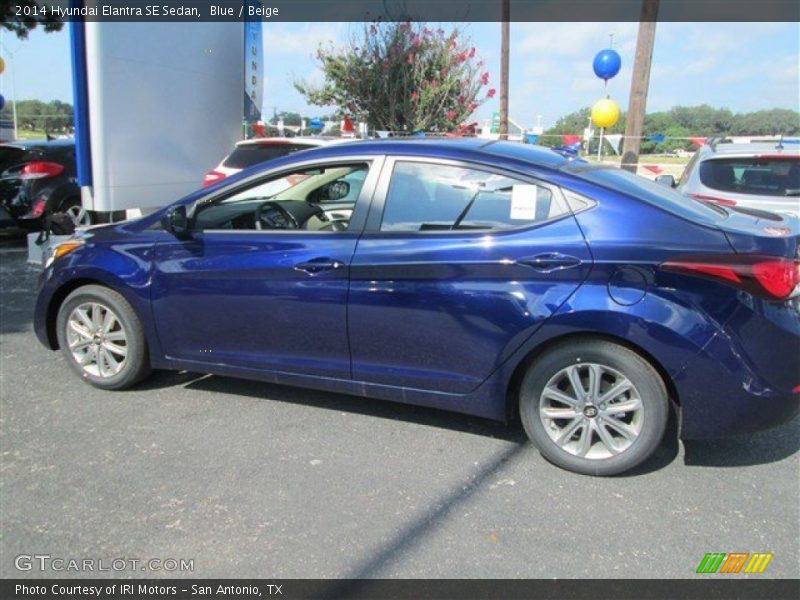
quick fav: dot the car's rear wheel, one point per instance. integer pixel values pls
(102, 338)
(81, 217)
(594, 407)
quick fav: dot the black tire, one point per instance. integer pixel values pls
(136, 363)
(649, 388)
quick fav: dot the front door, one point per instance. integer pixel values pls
(262, 282)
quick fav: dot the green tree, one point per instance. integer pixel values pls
(402, 77)
(39, 13)
(55, 116)
(767, 122)
(683, 122)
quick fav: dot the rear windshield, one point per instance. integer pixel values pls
(753, 175)
(653, 193)
(250, 155)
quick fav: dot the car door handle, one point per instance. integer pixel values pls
(318, 265)
(548, 262)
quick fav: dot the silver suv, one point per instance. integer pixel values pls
(764, 176)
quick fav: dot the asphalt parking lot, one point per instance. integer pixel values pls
(251, 479)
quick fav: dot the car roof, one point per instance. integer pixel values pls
(310, 141)
(40, 143)
(470, 149)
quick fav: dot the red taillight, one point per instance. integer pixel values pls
(770, 277)
(796, 389)
(213, 177)
(37, 208)
(778, 277)
(714, 199)
(40, 170)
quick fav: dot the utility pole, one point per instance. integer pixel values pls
(640, 81)
(504, 36)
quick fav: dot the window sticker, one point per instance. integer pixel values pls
(523, 202)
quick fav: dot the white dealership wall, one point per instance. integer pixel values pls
(165, 103)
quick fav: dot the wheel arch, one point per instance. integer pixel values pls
(58, 299)
(515, 381)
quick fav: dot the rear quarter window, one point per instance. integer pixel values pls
(250, 155)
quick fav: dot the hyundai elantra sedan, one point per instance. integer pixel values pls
(487, 278)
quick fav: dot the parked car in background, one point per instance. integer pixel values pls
(249, 153)
(488, 278)
(38, 177)
(758, 176)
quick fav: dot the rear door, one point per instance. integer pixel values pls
(459, 264)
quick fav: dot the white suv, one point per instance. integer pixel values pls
(761, 176)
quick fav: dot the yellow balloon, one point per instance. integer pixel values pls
(2, 65)
(605, 113)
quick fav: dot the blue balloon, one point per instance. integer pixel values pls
(315, 124)
(2, 102)
(606, 64)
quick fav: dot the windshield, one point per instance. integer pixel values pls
(752, 175)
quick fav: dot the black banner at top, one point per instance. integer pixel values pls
(397, 10)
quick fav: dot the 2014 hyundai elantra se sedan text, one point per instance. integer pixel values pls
(483, 278)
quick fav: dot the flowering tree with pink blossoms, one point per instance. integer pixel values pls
(402, 77)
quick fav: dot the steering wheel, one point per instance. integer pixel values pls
(288, 220)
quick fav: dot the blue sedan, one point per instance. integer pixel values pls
(488, 278)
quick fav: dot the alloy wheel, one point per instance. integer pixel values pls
(79, 215)
(97, 339)
(591, 411)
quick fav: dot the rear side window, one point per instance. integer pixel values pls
(249, 155)
(753, 175)
(434, 197)
(653, 193)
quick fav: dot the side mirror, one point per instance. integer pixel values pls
(666, 180)
(176, 222)
(336, 190)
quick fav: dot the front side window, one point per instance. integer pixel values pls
(435, 197)
(291, 200)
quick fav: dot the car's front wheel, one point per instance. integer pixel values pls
(594, 407)
(102, 338)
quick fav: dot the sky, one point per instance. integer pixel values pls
(740, 66)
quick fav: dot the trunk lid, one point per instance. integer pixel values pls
(761, 232)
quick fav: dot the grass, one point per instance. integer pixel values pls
(28, 134)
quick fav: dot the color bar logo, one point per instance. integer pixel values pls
(734, 562)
